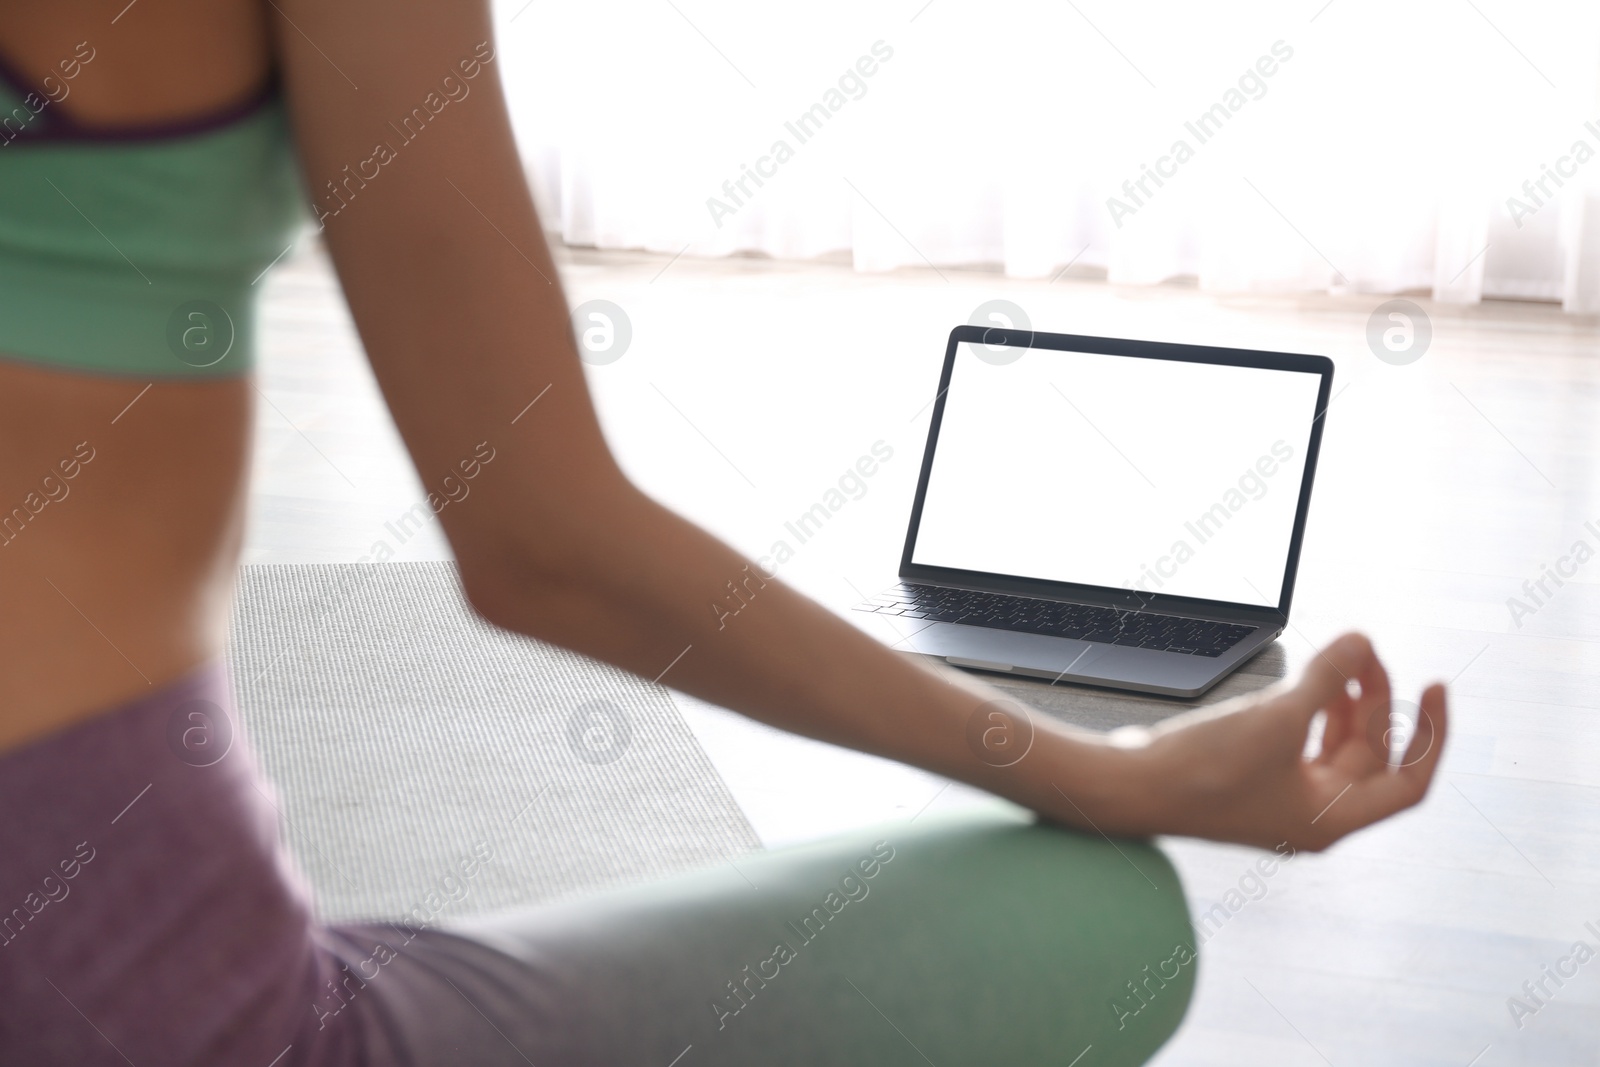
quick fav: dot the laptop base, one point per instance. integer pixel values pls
(1062, 659)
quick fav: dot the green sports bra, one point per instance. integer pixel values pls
(139, 252)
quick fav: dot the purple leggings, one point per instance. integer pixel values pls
(150, 915)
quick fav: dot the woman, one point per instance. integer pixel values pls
(148, 158)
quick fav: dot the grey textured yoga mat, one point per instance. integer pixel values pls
(405, 736)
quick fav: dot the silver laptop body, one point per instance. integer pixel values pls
(1105, 511)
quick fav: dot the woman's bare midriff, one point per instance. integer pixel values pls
(120, 526)
(121, 521)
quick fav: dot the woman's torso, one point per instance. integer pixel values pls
(121, 507)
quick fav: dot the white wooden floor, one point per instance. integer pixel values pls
(749, 386)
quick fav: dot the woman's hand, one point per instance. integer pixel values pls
(1238, 772)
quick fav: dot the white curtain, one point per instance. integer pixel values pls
(1450, 146)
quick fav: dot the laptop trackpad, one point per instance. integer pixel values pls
(998, 650)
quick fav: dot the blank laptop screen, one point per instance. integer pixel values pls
(1151, 474)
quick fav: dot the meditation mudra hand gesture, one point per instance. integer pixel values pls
(1238, 771)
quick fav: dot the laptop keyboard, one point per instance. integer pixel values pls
(1084, 622)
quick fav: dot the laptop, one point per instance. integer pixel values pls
(1109, 512)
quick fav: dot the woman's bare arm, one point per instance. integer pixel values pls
(457, 301)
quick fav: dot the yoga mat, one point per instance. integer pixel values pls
(408, 740)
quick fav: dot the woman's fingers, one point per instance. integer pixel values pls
(1353, 781)
(1375, 794)
(1346, 657)
(1355, 727)
(1421, 760)
(1339, 714)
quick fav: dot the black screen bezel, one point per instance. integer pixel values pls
(1110, 595)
